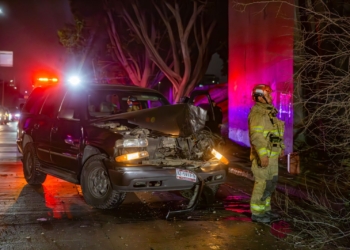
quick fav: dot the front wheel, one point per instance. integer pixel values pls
(30, 165)
(97, 187)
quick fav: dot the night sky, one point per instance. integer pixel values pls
(29, 29)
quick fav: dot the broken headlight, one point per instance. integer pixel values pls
(132, 143)
(220, 157)
(131, 149)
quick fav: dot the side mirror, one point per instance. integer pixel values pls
(67, 114)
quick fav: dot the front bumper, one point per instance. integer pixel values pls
(132, 178)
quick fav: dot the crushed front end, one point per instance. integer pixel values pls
(166, 149)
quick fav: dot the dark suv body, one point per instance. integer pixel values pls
(77, 134)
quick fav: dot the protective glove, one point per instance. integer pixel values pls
(264, 161)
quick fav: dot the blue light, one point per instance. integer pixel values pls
(74, 80)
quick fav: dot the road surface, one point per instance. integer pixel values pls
(55, 216)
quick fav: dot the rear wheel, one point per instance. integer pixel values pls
(30, 165)
(97, 187)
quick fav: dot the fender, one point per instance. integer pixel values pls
(88, 152)
(26, 138)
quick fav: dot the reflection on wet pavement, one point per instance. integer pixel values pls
(235, 203)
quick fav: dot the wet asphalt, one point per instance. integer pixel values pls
(55, 216)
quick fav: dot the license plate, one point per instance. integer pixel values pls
(183, 174)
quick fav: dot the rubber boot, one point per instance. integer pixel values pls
(262, 218)
(272, 215)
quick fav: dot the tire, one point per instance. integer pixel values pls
(96, 186)
(30, 165)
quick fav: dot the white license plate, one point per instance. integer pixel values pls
(183, 174)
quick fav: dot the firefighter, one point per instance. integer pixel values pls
(132, 104)
(266, 139)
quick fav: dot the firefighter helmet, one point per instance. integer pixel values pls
(260, 90)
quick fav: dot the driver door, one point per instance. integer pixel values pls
(66, 133)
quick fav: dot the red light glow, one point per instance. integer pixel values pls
(43, 79)
(260, 51)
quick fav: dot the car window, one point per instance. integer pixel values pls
(52, 103)
(103, 103)
(154, 103)
(73, 101)
(35, 101)
(202, 101)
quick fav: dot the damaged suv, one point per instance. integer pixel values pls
(114, 139)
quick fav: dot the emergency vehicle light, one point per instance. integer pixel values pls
(45, 79)
(74, 80)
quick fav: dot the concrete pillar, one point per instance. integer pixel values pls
(260, 51)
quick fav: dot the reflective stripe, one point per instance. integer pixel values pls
(274, 132)
(273, 154)
(262, 151)
(258, 129)
(257, 208)
(268, 201)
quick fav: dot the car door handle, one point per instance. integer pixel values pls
(54, 129)
(36, 125)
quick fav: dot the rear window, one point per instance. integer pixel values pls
(52, 103)
(103, 103)
(35, 101)
(73, 101)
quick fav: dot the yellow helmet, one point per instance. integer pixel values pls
(259, 90)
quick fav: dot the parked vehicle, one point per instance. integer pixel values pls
(4, 115)
(14, 113)
(85, 135)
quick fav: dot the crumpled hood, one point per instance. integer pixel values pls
(176, 120)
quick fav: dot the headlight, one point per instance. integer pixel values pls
(131, 143)
(220, 157)
(132, 156)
